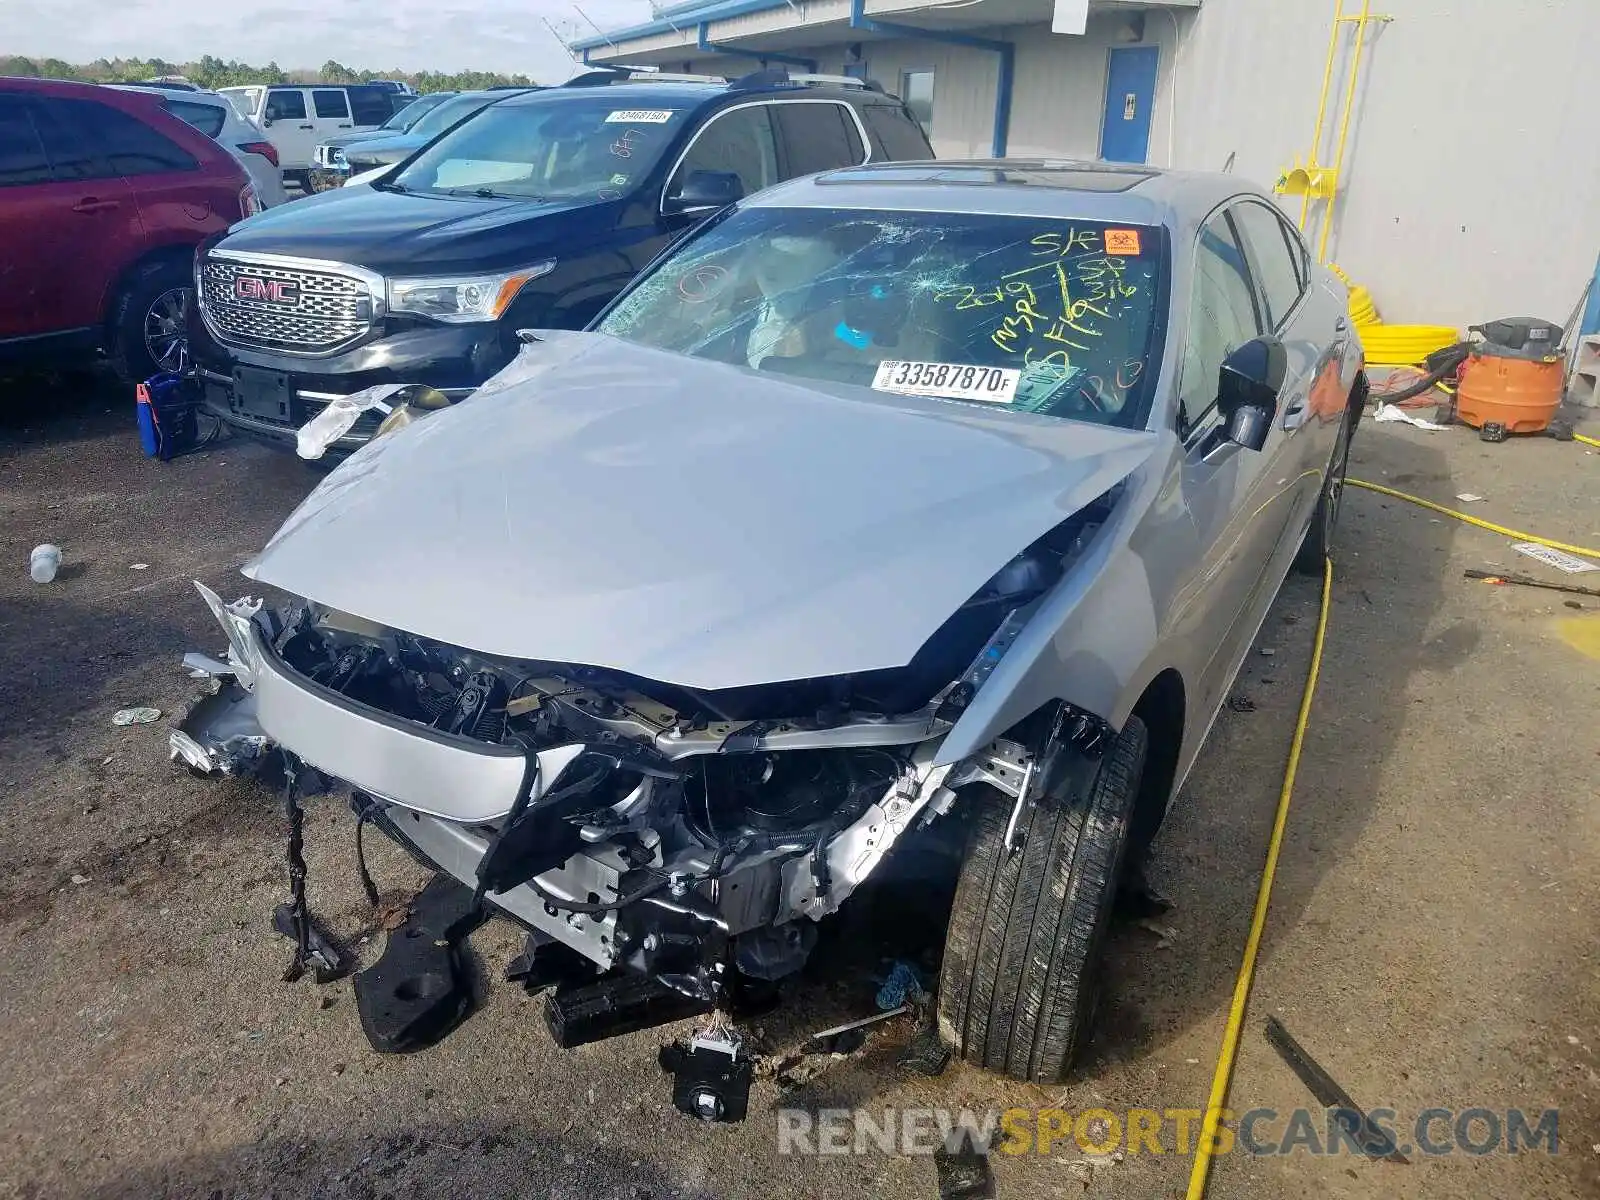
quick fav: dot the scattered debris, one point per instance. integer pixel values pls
(44, 562)
(963, 1173)
(1559, 559)
(1468, 497)
(711, 1075)
(1571, 1041)
(903, 985)
(138, 566)
(1504, 577)
(80, 880)
(1167, 933)
(1572, 604)
(926, 1054)
(1372, 1140)
(1267, 652)
(1241, 703)
(850, 1026)
(135, 716)
(1390, 412)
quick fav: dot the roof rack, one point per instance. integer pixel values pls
(604, 76)
(780, 77)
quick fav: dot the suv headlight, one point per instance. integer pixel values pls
(458, 298)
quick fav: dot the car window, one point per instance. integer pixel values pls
(1060, 318)
(901, 136)
(373, 106)
(129, 145)
(285, 106)
(1222, 317)
(816, 137)
(1271, 262)
(244, 100)
(207, 118)
(566, 148)
(453, 110)
(330, 102)
(739, 140)
(71, 155)
(22, 157)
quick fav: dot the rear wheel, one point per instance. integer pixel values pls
(149, 326)
(1318, 544)
(1019, 981)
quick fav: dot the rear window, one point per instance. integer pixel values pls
(207, 118)
(1055, 317)
(899, 132)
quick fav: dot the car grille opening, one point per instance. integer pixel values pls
(283, 308)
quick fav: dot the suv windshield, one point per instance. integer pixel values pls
(560, 149)
(1044, 315)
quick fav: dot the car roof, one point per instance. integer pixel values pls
(1018, 187)
(686, 93)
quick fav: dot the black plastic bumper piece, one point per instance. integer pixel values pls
(419, 990)
(612, 1006)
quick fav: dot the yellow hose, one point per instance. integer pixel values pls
(1471, 520)
(1223, 1075)
(1587, 441)
(1391, 345)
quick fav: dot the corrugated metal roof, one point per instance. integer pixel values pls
(683, 16)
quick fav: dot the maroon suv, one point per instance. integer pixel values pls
(103, 197)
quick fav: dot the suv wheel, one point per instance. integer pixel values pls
(1021, 958)
(149, 327)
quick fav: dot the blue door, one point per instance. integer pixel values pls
(1130, 95)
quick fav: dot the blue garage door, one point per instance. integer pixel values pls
(1130, 95)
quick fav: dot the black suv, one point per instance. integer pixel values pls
(534, 212)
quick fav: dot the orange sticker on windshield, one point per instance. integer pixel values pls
(1123, 242)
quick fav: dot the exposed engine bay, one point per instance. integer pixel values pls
(686, 835)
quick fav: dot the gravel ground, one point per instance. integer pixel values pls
(1431, 939)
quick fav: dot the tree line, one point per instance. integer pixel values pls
(212, 72)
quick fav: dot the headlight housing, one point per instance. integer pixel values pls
(237, 621)
(462, 298)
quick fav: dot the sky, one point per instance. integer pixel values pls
(448, 35)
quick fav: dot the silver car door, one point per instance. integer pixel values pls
(1301, 318)
(1228, 491)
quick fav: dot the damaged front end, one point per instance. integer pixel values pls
(686, 836)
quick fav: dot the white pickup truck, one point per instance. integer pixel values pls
(296, 117)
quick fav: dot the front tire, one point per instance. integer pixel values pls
(1019, 980)
(148, 330)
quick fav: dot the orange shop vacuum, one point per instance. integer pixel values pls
(1513, 380)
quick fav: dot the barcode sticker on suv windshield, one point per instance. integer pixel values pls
(949, 381)
(640, 116)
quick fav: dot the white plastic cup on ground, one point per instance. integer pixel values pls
(44, 562)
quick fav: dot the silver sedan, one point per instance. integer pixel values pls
(897, 506)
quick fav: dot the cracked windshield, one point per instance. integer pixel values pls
(546, 151)
(1046, 316)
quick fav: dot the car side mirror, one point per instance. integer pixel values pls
(1247, 390)
(703, 192)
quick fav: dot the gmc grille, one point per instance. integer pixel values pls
(283, 308)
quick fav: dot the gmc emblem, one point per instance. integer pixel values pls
(271, 291)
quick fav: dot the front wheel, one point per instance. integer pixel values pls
(1021, 960)
(148, 330)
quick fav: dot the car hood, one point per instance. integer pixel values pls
(367, 135)
(687, 521)
(390, 148)
(415, 233)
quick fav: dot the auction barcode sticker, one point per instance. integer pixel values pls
(949, 381)
(640, 116)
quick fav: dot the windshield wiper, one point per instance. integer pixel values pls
(484, 193)
(385, 185)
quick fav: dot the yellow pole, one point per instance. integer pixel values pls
(1344, 129)
(1322, 102)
